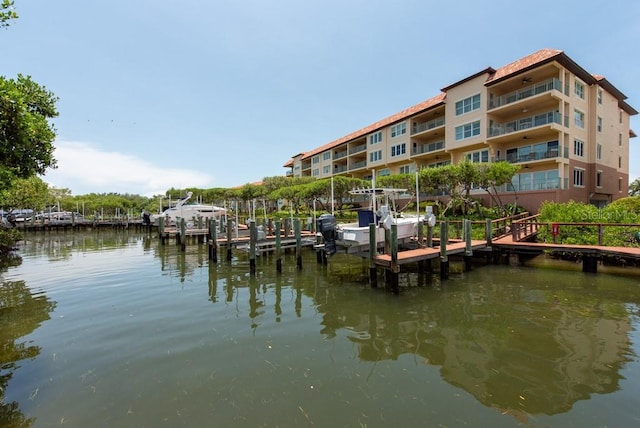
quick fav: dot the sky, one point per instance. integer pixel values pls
(156, 94)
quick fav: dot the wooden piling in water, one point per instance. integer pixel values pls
(161, 233)
(444, 258)
(229, 242)
(213, 237)
(252, 246)
(468, 250)
(278, 247)
(182, 235)
(298, 243)
(373, 250)
(395, 267)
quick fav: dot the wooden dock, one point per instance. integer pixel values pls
(420, 254)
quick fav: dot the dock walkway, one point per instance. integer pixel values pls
(419, 254)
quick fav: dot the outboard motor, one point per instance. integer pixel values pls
(326, 225)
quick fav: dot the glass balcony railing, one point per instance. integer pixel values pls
(358, 149)
(525, 123)
(427, 148)
(529, 91)
(357, 165)
(425, 126)
(340, 154)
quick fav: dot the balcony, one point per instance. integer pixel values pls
(339, 155)
(524, 93)
(533, 156)
(427, 148)
(426, 126)
(358, 165)
(525, 123)
(358, 149)
(339, 168)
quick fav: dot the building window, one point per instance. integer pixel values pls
(467, 105)
(326, 169)
(384, 172)
(619, 161)
(599, 152)
(375, 137)
(578, 148)
(578, 118)
(315, 172)
(620, 139)
(620, 116)
(620, 184)
(578, 177)
(375, 156)
(406, 169)
(399, 129)
(599, 96)
(315, 159)
(599, 124)
(398, 150)
(598, 178)
(326, 156)
(578, 89)
(468, 130)
(478, 156)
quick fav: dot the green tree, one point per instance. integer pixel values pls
(7, 13)
(29, 192)
(26, 136)
(634, 187)
(494, 175)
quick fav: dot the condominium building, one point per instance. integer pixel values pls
(567, 129)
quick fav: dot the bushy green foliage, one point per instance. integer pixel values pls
(595, 226)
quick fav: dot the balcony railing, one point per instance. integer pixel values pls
(339, 155)
(427, 148)
(558, 183)
(525, 123)
(357, 165)
(533, 156)
(425, 126)
(358, 149)
(529, 91)
(340, 168)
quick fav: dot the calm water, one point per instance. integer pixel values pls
(114, 330)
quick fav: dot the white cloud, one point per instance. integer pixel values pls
(83, 169)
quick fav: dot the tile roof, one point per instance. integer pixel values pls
(543, 55)
(397, 117)
(519, 66)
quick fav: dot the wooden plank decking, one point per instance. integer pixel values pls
(419, 254)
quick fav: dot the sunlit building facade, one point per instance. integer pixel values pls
(569, 131)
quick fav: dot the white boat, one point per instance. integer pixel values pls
(354, 237)
(190, 212)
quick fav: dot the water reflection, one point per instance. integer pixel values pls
(534, 348)
(21, 313)
(519, 341)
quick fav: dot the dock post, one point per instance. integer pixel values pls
(183, 235)
(589, 264)
(252, 246)
(161, 233)
(373, 250)
(213, 235)
(429, 236)
(420, 234)
(468, 249)
(444, 240)
(488, 236)
(278, 247)
(296, 226)
(200, 237)
(395, 267)
(229, 243)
